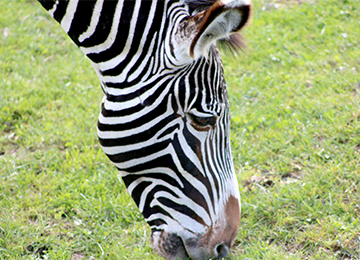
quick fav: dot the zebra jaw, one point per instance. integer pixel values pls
(195, 34)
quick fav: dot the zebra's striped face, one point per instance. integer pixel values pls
(176, 162)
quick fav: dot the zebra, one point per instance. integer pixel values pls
(164, 120)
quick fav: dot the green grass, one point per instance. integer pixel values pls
(295, 105)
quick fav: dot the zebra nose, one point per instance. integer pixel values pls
(221, 251)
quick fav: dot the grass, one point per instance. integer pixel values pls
(295, 133)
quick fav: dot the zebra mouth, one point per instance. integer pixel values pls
(169, 246)
(187, 256)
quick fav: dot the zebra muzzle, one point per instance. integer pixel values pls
(173, 247)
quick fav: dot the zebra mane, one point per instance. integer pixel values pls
(234, 43)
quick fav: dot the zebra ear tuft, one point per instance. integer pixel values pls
(220, 21)
(233, 44)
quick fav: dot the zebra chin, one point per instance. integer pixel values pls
(215, 243)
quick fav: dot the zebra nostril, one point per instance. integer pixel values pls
(222, 251)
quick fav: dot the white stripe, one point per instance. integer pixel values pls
(140, 145)
(129, 133)
(142, 66)
(141, 113)
(186, 221)
(94, 21)
(148, 72)
(209, 176)
(112, 35)
(171, 224)
(69, 15)
(53, 9)
(211, 165)
(124, 73)
(189, 177)
(184, 200)
(118, 106)
(126, 104)
(134, 88)
(150, 157)
(144, 127)
(118, 59)
(167, 171)
(191, 155)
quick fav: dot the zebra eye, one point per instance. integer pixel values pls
(203, 121)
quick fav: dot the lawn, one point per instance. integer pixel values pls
(295, 133)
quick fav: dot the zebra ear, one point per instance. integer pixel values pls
(197, 33)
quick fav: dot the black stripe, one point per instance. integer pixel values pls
(166, 161)
(182, 209)
(138, 190)
(104, 25)
(139, 91)
(135, 41)
(157, 111)
(81, 20)
(47, 4)
(60, 10)
(148, 211)
(138, 153)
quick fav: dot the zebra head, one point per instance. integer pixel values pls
(185, 185)
(164, 120)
